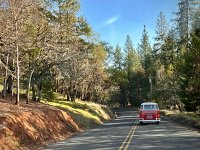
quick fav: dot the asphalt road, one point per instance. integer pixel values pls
(124, 133)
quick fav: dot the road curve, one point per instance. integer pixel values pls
(124, 133)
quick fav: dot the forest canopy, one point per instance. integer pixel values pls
(47, 46)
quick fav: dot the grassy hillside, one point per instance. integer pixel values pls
(87, 114)
(33, 125)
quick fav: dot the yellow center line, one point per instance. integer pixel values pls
(127, 145)
(129, 137)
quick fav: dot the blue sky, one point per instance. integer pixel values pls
(114, 19)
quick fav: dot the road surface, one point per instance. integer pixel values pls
(124, 133)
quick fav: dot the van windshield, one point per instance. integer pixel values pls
(150, 107)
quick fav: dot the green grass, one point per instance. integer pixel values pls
(177, 113)
(1, 84)
(76, 108)
(1, 87)
(87, 114)
(184, 118)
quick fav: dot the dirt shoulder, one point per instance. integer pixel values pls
(31, 126)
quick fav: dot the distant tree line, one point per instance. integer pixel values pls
(167, 72)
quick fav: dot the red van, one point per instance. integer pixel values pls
(149, 113)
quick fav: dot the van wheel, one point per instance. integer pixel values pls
(141, 123)
(157, 123)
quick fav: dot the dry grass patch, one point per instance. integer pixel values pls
(183, 118)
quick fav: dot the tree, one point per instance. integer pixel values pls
(146, 51)
(196, 20)
(147, 64)
(37, 29)
(133, 67)
(184, 19)
(118, 78)
(14, 20)
(187, 51)
(118, 59)
(185, 16)
(189, 69)
(65, 48)
(161, 33)
(50, 44)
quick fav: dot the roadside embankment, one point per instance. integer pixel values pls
(183, 118)
(30, 126)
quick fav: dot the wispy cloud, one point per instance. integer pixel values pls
(111, 20)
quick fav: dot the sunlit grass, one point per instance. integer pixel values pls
(1, 84)
(77, 108)
(178, 113)
(1, 87)
(87, 113)
(192, 115)
(170, 112)
(184, 118)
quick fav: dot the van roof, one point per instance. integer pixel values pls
(149, 103)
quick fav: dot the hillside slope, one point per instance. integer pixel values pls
(33, 125)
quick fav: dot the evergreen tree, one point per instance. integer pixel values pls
(118, 59)
(161, 33)
(184, 18)
(146, 51)
(147, 63)
(118, 78)
(187, 26)
(190, 74)
(134, 73)
(196, 20)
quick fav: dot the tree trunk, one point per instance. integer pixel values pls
(13, 70)
(63, 87)
(18, 71)
(39, 90)
(33, 92)
(9, 84)
(82, 95)
(57, 84)
(29, 85)
(12, 92)
(5, 79)
(68, 97)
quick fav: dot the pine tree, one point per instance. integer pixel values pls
(185, 16)
(187, 26)
(190, 74)
(134, 73)
(146, 51)
(130, 56)
(118, 59)
(161, 33)
(147, 63)
(196, 20)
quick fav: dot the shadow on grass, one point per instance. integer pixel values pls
(49, 95)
